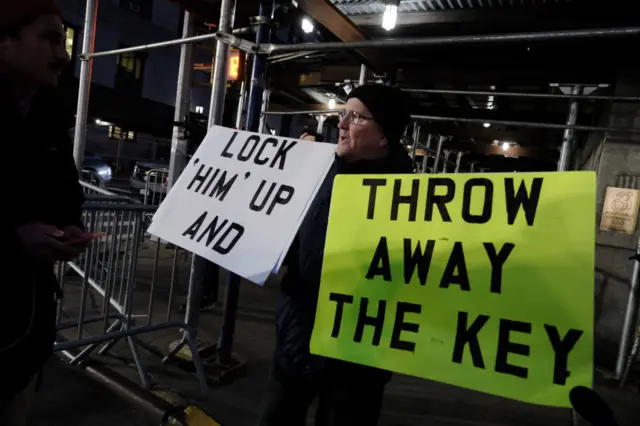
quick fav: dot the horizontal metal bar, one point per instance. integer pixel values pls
(109, 207)
(525, 95)
(168, 43)
(312, 112)
(450, 40)
(289, 56)
(116, 335)
(529, 124)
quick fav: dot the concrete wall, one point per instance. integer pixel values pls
(613, 155)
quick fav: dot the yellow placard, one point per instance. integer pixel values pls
(480, 281)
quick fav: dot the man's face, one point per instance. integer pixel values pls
(360, 136)
(38, 53)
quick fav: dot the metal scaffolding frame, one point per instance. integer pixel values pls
(262, 49)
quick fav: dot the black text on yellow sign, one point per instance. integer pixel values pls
(481, 282)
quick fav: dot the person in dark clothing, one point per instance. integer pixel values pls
(42, 221)
(371, 125)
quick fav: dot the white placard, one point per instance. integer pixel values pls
(241, 199)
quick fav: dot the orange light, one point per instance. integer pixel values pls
(234, 65)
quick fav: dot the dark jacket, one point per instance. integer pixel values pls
(39, 184)
(301, 282)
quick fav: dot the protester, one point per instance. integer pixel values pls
(371, 125)
(42, 222)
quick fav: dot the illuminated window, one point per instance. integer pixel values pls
(130, 63)
(71, 37)
(116, 132)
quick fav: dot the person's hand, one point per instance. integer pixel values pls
(76, 236)
(46, 241)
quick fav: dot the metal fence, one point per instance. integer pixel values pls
(114, 291)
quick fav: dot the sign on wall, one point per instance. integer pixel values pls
(484, 282)
(620, 210)
(241, 199)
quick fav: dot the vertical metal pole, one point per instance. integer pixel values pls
(80, 133)
(320, 128)
(243, 96)
(445, 163)
(266, 95)
(259, 69)
(218, 91)
(630, 317)
(436, 160)
(458, 162)
(363, 75)
(178, 159)
(425, 157)
(414, 138)
(568, 139)
(220, 66)
(258, 76)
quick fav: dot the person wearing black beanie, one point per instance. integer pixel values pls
(371, 125)
(44, 223)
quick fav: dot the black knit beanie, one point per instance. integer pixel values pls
(389, 108)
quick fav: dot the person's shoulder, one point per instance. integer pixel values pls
(398, 161)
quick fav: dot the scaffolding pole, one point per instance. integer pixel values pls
(363, 75)
(458, 162)
(436, 159)
(439, 41)
(579, 97)
(529, 124)
(80, 131)
(266, 95)
(240, 111)
(568, 138)
(178, 158)
(630, 316)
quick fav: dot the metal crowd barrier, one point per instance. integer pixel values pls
(155, 189)
(115, 290)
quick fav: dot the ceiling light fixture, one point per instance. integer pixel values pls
(390, 17)
(307, 26)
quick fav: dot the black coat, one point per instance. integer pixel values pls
(39, 184)
(301, 282)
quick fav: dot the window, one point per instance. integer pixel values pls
(130, 73)
(70, 42)
(116, 132)
(130, 63)
(143, 8)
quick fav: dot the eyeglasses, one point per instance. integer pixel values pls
(353, 117)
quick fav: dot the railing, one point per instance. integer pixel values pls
(122, 286)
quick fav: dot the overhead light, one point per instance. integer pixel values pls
(102, 123)
(487, 124)
(390, 16)
(505, 146)
(307, 26)
(332, 104)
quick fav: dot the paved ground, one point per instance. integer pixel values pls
(71, 399)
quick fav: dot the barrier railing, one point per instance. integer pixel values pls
(114, 291)
(155, 189)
